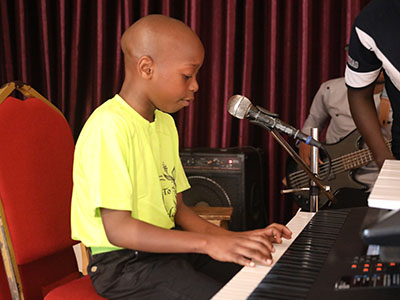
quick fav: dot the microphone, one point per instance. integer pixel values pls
(240, 107)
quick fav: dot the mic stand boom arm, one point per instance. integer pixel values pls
(278, 137)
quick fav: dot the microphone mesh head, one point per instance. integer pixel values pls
(238, 106)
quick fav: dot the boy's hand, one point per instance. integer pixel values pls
(275, 232)
(246, 247)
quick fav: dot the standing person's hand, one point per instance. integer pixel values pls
(305, 154)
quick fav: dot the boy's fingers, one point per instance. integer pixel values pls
(257, 253)
(283, 230)
(241, 260)
(263, 241)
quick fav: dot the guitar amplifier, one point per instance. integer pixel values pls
(228, 177)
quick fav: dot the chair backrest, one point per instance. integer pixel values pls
(4, 289)
(36, 156)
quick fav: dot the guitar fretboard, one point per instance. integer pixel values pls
(339, 165)
(355, 160)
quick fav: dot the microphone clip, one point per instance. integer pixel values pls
(269, 122)
(267, 112)
(270, 125)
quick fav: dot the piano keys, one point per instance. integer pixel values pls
(386, 190)
(320, 260)
(241, 285)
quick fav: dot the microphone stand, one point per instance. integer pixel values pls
(314, 192)
(324, 189)
(240, 107)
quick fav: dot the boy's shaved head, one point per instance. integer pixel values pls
(162, 57)
(156, 36)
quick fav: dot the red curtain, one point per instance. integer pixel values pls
(275, 52)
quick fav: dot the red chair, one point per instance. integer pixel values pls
(4, 289)
(36, 156)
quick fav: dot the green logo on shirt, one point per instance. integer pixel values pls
(168, 185)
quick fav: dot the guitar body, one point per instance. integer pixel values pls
(340, 177)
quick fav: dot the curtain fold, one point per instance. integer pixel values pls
(275, 52)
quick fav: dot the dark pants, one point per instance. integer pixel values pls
(128, 274)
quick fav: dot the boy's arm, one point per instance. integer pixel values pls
(124, 231)
(363, 111)
(190, 221)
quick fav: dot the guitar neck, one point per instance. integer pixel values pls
(344, 163)
(359, 158)
(331, 172)
(356, 159)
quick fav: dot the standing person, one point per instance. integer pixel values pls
(375, 46)
(330, 104)
(128, 180)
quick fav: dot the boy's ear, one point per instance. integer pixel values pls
(145, 67)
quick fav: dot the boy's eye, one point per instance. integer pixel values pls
(187, 76)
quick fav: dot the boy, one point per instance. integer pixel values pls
(128, 180)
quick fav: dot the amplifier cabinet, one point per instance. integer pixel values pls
(227, 177)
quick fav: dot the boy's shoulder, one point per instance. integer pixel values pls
(111, 116)
(117, 113)
(114, 110)
(164, 116)
(115, 105)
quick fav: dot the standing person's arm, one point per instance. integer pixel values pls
(363, 110)
(362, 70)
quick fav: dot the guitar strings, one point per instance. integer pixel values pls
(363, 154)
(339, 165)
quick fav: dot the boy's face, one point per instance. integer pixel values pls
(174, 81)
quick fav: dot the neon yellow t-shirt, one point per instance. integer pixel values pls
(124, 162)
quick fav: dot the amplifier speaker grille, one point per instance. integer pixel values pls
(227, 177)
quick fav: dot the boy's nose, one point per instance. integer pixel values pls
(194, 86)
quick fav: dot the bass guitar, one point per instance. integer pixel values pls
(346, 156)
